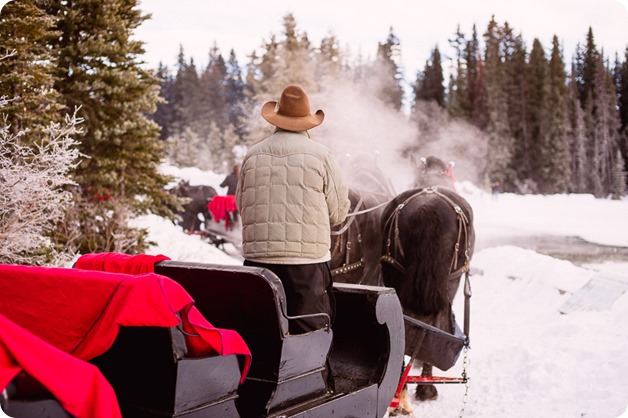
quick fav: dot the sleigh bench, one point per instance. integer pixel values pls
(132, 329)
(286, 375)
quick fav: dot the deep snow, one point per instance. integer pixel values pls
(526, 358)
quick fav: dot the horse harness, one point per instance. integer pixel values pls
(348, 266)
(393, 241)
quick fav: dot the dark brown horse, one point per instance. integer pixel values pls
(428, 241)
(433, 172)
(197, 198)
(356, 243)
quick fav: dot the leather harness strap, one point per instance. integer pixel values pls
(392, 226)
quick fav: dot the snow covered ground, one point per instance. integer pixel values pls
(527, 359)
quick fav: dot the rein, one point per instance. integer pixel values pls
(352, 215)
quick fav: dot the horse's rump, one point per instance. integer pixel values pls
(421, 231)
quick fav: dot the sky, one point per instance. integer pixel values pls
(527, 359)
(420, 25)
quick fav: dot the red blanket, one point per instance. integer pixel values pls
(80, 311)
(120, 263)
(79, 386)
(220, 206)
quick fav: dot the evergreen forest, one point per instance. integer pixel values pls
(77, 98)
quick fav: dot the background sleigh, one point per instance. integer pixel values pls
(224, 225)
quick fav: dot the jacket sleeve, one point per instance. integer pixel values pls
(238, 192)
(336, 193)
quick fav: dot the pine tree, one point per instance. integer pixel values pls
(476, 83)
(500, 145)
(605, 128)
(622, 98)
(100, 70)
(164, 115)
(213, 97)
(577, 137)
(429, 83)
(235, 96)
(587, 64)
(387, 72)
(329, 63)
(190, 150)
(458, 104)
(536, 98)
(620, 177)
(28, 75)
(296, 65)
(186, 96)
(519, 109)
(555, 162)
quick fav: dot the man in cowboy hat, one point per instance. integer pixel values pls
(289, 195)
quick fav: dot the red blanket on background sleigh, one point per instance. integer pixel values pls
(80, 311)
(79, 386)
(220, 206)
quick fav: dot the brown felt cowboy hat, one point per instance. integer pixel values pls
(292, 113)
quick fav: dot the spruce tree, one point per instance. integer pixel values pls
(458, 104)
(27, 77)
(387, 73)
(536, 98)
(500, 145)
(517, 90)
(555, 162)
(164, 115)
(329, 58)
(587, 67)
(577, 137)
(213, 97)
(605, 128)
(186, 96)
(622, 98)
(620, 177)
(429, 83)
(100, 70)
(235, 95)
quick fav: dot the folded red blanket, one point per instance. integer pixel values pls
(80, 311)
(120, 263)
(79, 386)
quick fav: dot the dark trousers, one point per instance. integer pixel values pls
(308, 289)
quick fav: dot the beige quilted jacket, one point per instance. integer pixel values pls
(289, 195)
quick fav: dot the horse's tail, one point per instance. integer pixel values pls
(427, 258)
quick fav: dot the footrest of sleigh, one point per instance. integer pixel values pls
(433, 380)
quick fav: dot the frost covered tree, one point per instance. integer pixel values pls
(33, 194)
